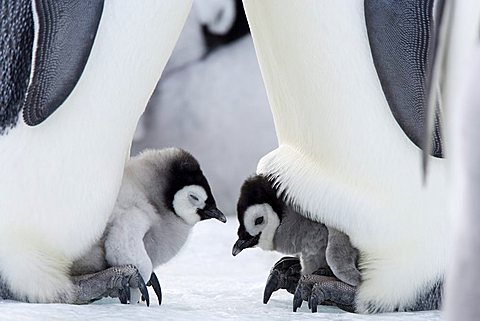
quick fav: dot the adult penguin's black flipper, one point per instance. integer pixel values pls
(64, 35)
(16, 41)
(401, 39)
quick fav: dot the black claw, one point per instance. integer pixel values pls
(126, 287)
(124, 292)
(123, 297)
(313, 303)
(297, 300)
(143, 289)
(156, 287)
(270, 287)
(283, 275)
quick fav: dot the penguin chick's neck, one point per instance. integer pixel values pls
(293, 231)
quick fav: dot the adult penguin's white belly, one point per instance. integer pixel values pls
(60, 179)
(343, 157)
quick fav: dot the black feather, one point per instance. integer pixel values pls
(16, 43)
(185, 170)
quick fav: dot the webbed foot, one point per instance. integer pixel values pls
(319, 289)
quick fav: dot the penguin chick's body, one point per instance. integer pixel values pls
(269, 223)
(163, 194)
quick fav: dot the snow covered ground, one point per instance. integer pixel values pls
(204, 282)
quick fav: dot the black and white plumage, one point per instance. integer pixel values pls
(90, 67)
(269, 223)
(347, 152)
(163, 194)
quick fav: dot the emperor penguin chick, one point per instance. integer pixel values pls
(268, 222)
(163, 194)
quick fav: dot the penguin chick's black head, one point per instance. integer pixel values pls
(187, 191)
(257, 198)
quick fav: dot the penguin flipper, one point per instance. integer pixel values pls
(16, 41)
(401, 36)
(64, 36)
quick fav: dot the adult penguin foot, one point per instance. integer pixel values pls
(113, 282)
(324, 290)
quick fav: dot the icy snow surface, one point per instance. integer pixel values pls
(204, 282)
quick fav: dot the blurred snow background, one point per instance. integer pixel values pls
(211, 100)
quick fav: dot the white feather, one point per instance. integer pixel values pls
(267, 228)
(60, 179)
(131, 218)
(342, 157)
(183, 206)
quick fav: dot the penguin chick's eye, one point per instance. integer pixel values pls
(193, 197)
(259, 220)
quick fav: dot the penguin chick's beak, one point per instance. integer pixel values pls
(206, 214)
(240, 244)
